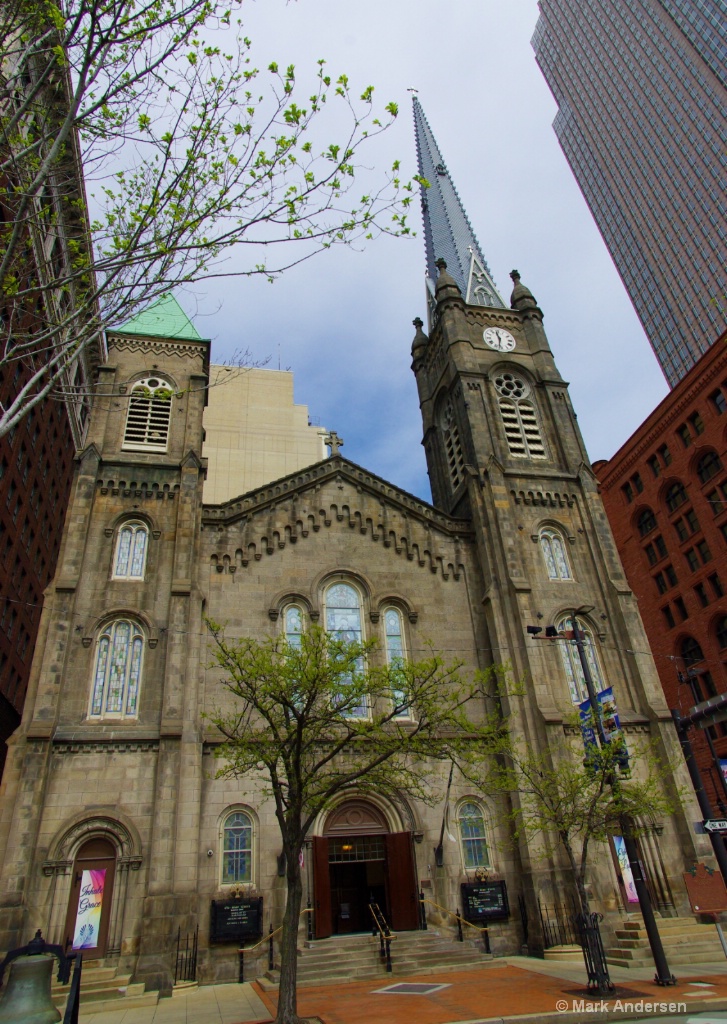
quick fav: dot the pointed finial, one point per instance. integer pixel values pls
(420, 339)
(446, 284)
(522, 297)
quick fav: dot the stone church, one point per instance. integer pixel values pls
(110, 781)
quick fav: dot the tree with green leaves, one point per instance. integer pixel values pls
(580, 798)
(313, 719)
(187, 149)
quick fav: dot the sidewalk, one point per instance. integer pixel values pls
(526, 988)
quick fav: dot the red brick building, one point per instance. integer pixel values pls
(665, 493)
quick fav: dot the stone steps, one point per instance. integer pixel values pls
(684, 939)
(104, 989)
(349, 957)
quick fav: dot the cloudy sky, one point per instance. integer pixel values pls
(342, 322)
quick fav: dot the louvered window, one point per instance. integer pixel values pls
(147, 422)
(453, 447)
(519, 417)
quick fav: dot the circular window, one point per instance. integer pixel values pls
(510, 386)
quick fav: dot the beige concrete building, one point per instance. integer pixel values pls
(110, 785)
(254, 432)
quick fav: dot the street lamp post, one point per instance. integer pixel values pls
(663, 974)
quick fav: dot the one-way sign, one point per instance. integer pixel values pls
(715, 825)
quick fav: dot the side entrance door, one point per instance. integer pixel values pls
(89, 906)
(402, 890)
(322, 887)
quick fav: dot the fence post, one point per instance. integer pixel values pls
(241, 972)
(74, 996)
(271, 955)
(309, 915)
(486, 939)
(460, 936)
(422, 911)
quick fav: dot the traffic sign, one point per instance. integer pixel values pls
(715, 825)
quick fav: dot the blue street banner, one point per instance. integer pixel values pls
(609, 717)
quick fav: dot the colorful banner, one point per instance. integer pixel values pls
(625, 868)
(609, 718)
(723, 767)
(88, 915)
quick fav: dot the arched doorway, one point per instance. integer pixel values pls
(89, 906)
(359, 859)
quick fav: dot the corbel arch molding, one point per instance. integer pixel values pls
(636, 517)
(700, 450)
(148, 624)
(550, 523)
(666, 486)
(106, 824)
(126, 386)
(283, 598)
(394, 600)
(342, 574)
(398, 814)
(129, 515)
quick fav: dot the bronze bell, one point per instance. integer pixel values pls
(26, 999)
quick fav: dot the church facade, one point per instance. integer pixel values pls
(111, 776)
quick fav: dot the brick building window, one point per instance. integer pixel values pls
(646, 522)
(708, 466)
(718, 401)
(684, 435)
(654, 466)
(675, 496)
(721, 632)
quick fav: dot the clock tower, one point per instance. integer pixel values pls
(505, 453)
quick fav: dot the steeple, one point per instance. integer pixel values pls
(448, 233)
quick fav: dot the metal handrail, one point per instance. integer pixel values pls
(483, 929)
(391, 936)
(270, 935)
(477, 927)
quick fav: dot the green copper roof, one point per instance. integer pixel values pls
(164, 319)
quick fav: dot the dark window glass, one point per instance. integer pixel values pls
(637, 482)
(704, 553)
(654, 465)
(681, 528)
(716, 584)
(691, 652)
(692, 560)
(681, 608)
(660, 583)
(697, 423)
(675, 496)
(708, 466)
(670, 575)
(665, 454)
(660, 546)
(692, 520)
(722, 631)
(651, 554)
(628, 492)
(684, 436)
(668, 617)
(701, 593)
(646, 522)
(718, 401)
(714, 503)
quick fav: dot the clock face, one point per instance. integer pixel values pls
(499, 339)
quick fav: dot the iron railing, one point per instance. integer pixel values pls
(558, 923)
(185, 968)
(381, 927)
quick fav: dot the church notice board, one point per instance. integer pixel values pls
(236, 920)
(706, 890)
(484, 901)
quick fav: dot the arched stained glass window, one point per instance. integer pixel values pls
(473, 836)
(394, 628)
(572, 661)
(554, 553)
(117, 673)
(130, 556)
(237, 848)
(343, 620)
(293, 624)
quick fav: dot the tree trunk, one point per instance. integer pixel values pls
(578, 877)
(288, 990)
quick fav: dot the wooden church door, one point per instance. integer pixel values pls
(401, 887)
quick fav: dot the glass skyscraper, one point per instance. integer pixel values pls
(641, 90)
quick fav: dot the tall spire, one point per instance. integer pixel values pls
(448, 233)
